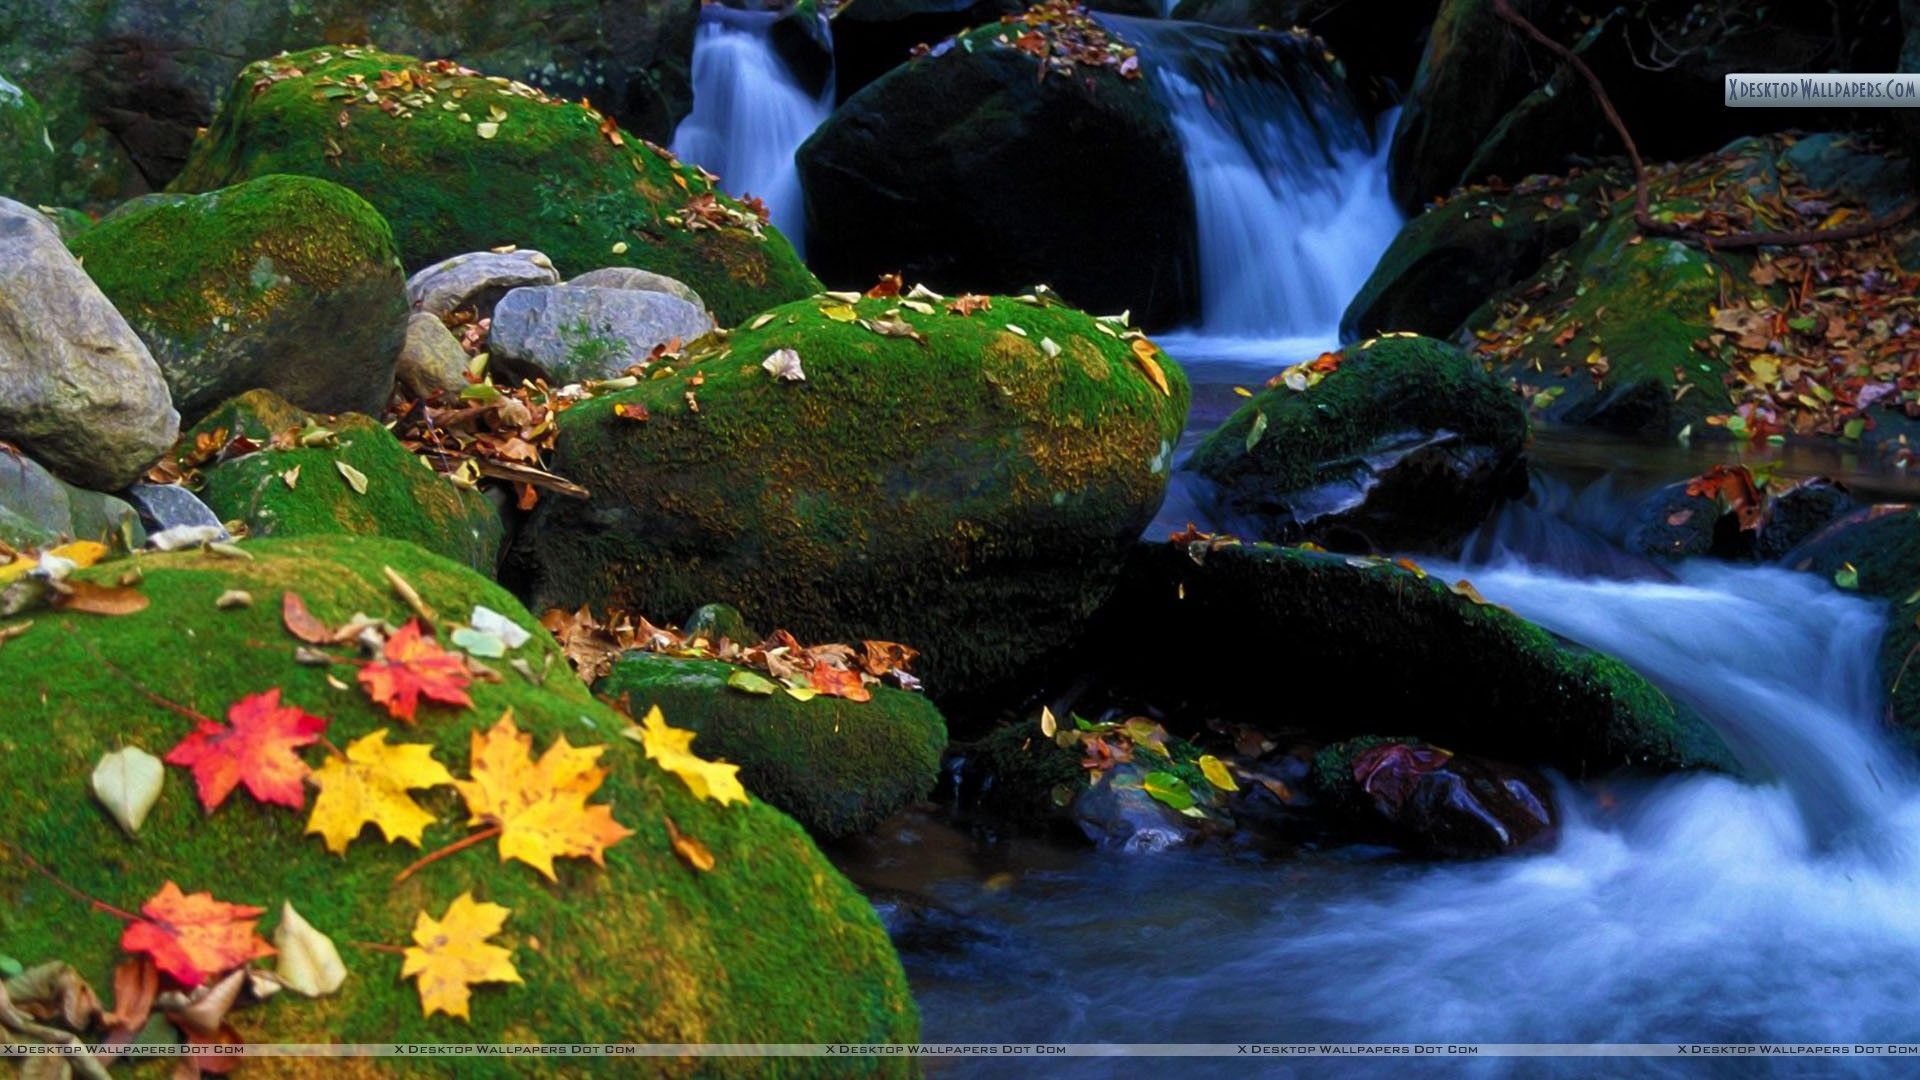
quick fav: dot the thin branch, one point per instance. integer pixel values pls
(461, 844)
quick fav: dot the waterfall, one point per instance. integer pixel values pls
(1289, 185)
(749, 113)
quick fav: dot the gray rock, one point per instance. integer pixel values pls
(632, 277)
(571, 333)
(431, 359)
(478, 280)
(38, 510)
(78, 389)
(170, 506)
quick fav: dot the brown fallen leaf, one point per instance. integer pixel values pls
(94, 599)
(1143, 354)
(691, 851)
(301, 623)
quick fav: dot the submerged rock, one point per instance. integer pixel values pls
(573, 333)
(285, 283)
(969, 490)
(356, 481)
(770, 944)
(1432, 801)
(505, 165)
(78, 389)
(839, 767)
(1405, 441)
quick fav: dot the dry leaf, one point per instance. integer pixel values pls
(451, 954)
(128, 782)
(309, 962)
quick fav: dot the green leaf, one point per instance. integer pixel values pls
(1804, 323)
(9, 967)
(748, 682)
(1847, 577)
(1854, 428)
(1169, 789)
(479, 643)
(1258, 429)
(802, 693)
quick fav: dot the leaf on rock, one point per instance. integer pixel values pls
(1391, 771)
(128, 782)
(784, 364)
(1847, 577)
(672, 749)
(1143, 354)
(969, 303)
(840, 312)
(355, 479)
(309, 962)
(450, 954)
(85, 596)
(1169, 789)
(1216, 773)
(752, 683)
(838, 682)
(539, 806)
(1256, 430)
(301, 623)
(257, 750)
(691, 851)
(416, 666)
(369, 786)
(192, 937)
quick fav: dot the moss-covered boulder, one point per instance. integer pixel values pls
(1395, 648)
(461, 162)
(26, 153)
(286, 283)
(771, 945)
(1406, 441)
(981, 169)
(1877, 553)
(971, 490)
(838, 767)
(1378, 44)
(285, 488)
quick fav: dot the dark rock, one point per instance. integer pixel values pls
(26, 153)
(170, 506)
(872, 37)
(720, 622)
(804, 40)
(1671, 524)
(1798, 513)
(970, 172)
(1407, 443)
(1378, 44)
(1878, 550)
(1433, 802)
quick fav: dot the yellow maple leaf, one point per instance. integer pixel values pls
(370, 785)
(539, 807)
(450, 954)
(672, 748)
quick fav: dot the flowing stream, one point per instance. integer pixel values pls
(749, 113)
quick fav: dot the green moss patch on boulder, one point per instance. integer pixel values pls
(1394, 649)
(972, 495)
(1881, 545)
(26, 153)
(404, 500)
(468, 163)
(1407, 441)
(285, 282)
(838, 767)
(772, 945)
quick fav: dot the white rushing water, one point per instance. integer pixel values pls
(1289, 185)
(749, 113)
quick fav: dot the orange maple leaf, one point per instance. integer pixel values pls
(415, 667)
(838, 682)
(193, 936)
(539, 807)
(258, 750)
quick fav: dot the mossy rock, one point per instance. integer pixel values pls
(404, 500)
(287, 283)
(971, 495)
(772, 945)
(1408, 441)
(1882, 545)
(26, 153)
(838, 767)
(1394, 648)
(1020, 776)
(971, 171)
(547, 177)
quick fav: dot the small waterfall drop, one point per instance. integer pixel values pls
(1289, 186)
(749, 113)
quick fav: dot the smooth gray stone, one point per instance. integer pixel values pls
(431, 359)
(167, 506)
(572, 333)
(632, 277)
(477, 279)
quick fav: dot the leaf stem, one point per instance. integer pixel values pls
(461, 844)
(142, 689)
(99, 905)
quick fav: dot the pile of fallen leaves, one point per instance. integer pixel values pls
(779, 664)
(490, 432)
(1061, 35)
(190, 955)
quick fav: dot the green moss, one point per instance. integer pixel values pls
(1404, 650)
(26, 153)
(1883, 547)
(839, 767)
(770, 946)
(1382, 387)
(548, 179)
(970, 496)
(404, 500)
(1029, 779)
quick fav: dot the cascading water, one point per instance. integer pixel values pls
(749, 113)
(1288, 184)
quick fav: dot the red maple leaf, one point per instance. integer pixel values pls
(838, 682)
(415, 667)
(193, 936)
(258, 750)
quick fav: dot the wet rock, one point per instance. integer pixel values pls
(1431, 801)
(872, 37)
(573, 333)
(803, 38)
(1795, 515)
(969, 172)
(543, 175)
(1876, 553)
(476, 281)
(431, 359)
(1378, 44)
(286, 283)
(632, 277)
(170, 506)
(78, 389)
(1406, 442)
(1671, 524)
